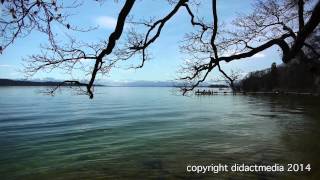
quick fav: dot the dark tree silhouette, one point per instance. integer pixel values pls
(271, 23)
(20, 17)
(232, 79)
(273, 76)
(285, 23)
(289, 78)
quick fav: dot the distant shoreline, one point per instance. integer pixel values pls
(26, 83)
(275, 93)
(281, 93)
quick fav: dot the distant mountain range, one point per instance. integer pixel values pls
(52, 82)
(142, 84)
(156, 84)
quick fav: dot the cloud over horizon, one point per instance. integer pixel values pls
(259, 55)
(4, 65)
(107, 22)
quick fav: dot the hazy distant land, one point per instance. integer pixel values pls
(10, 82)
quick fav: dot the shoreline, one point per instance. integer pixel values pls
(208, 93)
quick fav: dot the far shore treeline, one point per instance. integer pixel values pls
(282, 78)
(300, 75)
(9, 82)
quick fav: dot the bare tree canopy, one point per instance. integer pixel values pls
(287, 24)
(19, 18)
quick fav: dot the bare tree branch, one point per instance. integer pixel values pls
(20, 17)
(286, 24)
(111, 43)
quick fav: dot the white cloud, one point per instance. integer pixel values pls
(107, 22)
(4, 65)
(259, 55)
(228, 52)
(232, 52)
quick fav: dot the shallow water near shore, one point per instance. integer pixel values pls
(153, 133)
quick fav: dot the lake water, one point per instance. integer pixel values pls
(152, 133)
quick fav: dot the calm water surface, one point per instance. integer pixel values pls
(151, 133)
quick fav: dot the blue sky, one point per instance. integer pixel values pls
(165, 52)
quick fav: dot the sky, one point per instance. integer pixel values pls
(166, 57)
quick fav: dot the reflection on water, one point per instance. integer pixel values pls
(151, 133)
